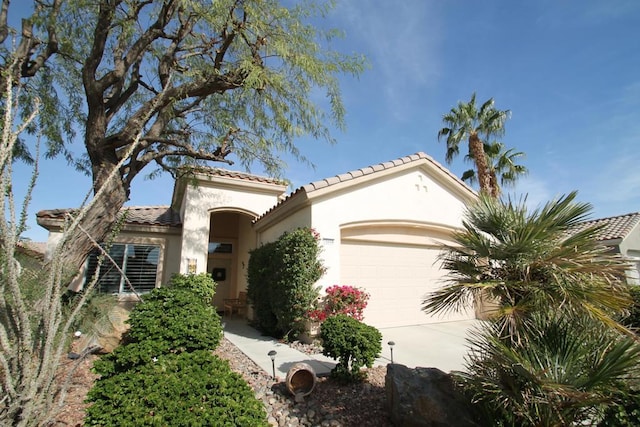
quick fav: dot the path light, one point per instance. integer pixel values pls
(391, 344)
(272, 355)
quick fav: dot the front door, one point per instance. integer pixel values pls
(221, 270)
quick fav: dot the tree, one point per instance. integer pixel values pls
(199, 82)
(501, 163)
(467, 121)
(551, 352)
(529, 263)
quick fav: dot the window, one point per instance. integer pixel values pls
(220, 248)
(139, 263)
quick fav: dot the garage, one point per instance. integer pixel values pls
(396, 275)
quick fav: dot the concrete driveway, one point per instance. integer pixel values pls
(437, 345)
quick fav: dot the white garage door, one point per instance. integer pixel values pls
(397, 277)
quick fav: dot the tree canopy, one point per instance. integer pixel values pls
(477, 125)
(174, 82)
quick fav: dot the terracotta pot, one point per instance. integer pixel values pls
(301, 380)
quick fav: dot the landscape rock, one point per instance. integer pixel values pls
(425, 397)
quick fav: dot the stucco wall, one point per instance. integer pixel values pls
(298, 219)
(411, 196)
(630, 248)
(200, 200)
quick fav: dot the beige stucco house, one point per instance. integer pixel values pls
(380, 228)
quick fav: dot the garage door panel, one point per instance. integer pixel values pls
(397, 277)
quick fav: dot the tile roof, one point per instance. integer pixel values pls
(316, 185)
(369, 170)
(615, 227)
(34, 249)
(142, 215)
(236, 175)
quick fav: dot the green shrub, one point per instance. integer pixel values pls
(201, 284)
(169, 320)
(632, 319)
(189, 389)
(624, 412)
(177, 317)
(281, 282)
(260, 274)
(352, 343)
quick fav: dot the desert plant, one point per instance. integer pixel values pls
(529, 262)
(186, 389)
(570, 369)
(352, 343)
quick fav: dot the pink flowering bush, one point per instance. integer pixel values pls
(347, 300)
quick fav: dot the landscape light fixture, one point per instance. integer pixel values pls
(391, 344)
(272, 355)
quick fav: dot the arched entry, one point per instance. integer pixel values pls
(231, 237)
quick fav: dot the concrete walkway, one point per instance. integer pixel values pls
(439, 345)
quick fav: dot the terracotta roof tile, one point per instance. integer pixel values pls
(237, 175)
(368, 170)
(615, 227)
(142, 215)
(153, 215)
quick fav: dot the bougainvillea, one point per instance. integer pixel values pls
(347, 300)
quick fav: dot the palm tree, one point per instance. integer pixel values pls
(570, 370)
(468, 122)
(528, 263)
(501, 163)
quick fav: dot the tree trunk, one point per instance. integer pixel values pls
(477, 150)
(100, 217)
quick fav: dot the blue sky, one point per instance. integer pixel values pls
(569, 71)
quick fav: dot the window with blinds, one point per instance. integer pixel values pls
(138, 262)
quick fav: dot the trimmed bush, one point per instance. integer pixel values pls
(352, 343)
(201, 284)
(169, 320)
(187, 389)
(281, 282)
(177, 317)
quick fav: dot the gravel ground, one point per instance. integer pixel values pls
(329, 404)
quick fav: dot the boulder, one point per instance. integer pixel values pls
(425, 397)
(106, 334)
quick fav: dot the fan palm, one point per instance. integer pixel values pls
(468, 122)
(528, 263)
(501, 163)
(571, 369)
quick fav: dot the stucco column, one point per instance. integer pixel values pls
(195, 236)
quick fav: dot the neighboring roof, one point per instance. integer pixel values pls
(33, 249)
(140, 215)
(368, 171)
(615, 227)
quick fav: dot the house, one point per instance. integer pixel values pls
(622, 234)
(380, 229)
